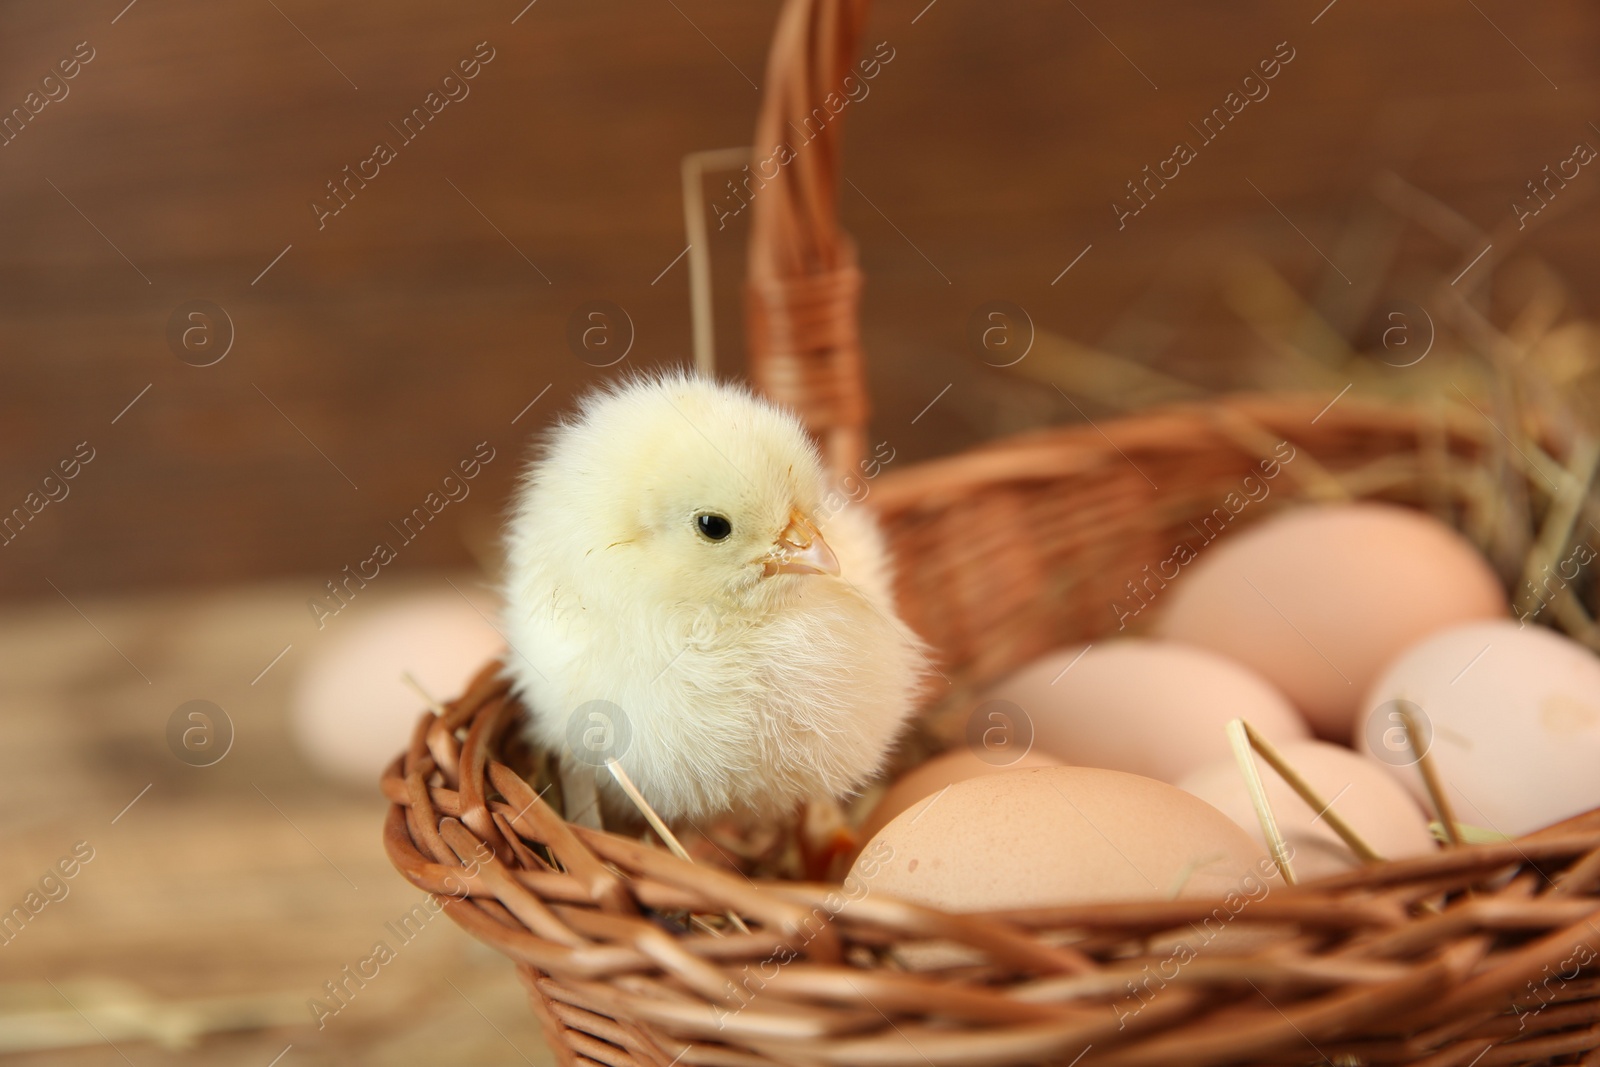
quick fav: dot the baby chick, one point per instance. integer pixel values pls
(670, 554)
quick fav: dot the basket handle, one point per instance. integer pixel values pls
(803, 288)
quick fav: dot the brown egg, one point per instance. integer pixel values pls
(939, 773)
(1051, 836)
(1376, 806)
(349, 712)
(1319, 600)
(1513, 714)
(1155, 708)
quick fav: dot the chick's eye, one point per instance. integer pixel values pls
(716, 527)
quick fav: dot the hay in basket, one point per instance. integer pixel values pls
(1482, 954)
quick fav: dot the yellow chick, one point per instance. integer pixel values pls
(679, 598)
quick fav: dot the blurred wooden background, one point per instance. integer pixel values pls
(420, 320)
(372, 355)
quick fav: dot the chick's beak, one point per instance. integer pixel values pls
(800, 549)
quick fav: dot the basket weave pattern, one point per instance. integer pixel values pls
(1432, 960)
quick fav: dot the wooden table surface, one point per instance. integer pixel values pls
(239, 888)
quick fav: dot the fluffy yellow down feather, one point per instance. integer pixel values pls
(679, 598)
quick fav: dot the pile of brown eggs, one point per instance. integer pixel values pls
(1312, 626)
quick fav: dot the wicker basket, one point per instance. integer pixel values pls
(1479, 955)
